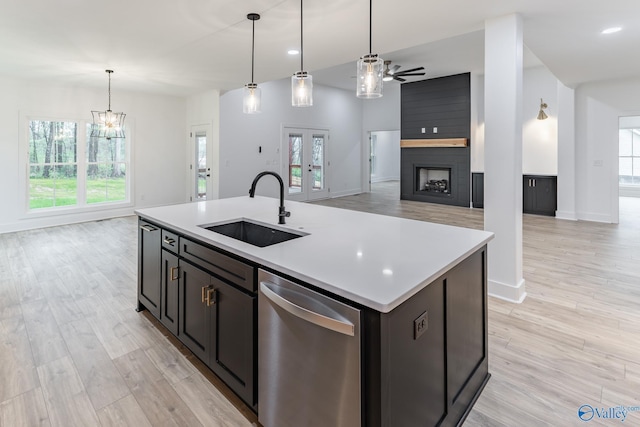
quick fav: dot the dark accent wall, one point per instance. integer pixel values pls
(444, 103)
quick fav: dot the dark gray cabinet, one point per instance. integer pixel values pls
(539, 195)
(217, 323)
(169, 291)
(477, 189)
(207, 299)
(426, 361)
(149, 292)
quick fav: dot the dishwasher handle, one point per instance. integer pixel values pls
(337, 325)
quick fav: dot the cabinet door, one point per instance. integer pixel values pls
(170, 279)
(193, 323)
(149, 266)
(546, 196)
(528, 195)
(233, 339)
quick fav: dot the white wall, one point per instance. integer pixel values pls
(596, 159)
(539, 137)
(241, 135)
(158, 139)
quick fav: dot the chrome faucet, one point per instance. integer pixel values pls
(252, 192)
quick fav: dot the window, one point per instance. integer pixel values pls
(53, 164)
(629, 152)
(68, 168)
(106, 169)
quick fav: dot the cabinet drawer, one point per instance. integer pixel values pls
(170, 241)
(222, 265)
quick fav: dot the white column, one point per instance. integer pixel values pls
(503, 155)
(566, 154)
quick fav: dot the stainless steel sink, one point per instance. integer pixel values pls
(254, 233)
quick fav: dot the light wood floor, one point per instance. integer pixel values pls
(73, 352)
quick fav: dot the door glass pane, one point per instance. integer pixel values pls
(295, 163)
(201, 166)
(317, 163)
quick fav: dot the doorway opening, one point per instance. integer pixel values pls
(384, 163)
(629, 168)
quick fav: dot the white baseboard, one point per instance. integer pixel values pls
(351, 192)
(568, 215)
(606, 218)
(507, 292)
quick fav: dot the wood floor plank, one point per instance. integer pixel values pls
(101, 379)
(124, 413)
(44, 335)
(208, 404)
(26, 410)
(67, 401)
(17, 368)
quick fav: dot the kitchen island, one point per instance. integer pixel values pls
(420, 289)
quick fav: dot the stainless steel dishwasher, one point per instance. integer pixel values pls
(308, 357)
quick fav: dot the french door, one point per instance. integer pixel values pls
(199, 165)
(305, 158)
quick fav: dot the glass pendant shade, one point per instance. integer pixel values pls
(369, 76)
(107, 124)
(251, 99)
(302, 89)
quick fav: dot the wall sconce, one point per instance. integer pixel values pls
(541, 114)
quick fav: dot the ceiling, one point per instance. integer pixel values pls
(179, 48)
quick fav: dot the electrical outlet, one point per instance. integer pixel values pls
(424, 130)
(435, 130)
(420, 325)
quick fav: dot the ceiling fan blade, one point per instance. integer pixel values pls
(410, 74)
(410, 71)
(400, 79)
(394, 69)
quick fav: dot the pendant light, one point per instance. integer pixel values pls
(252, 93)
(301, 82)
(370, 70)
(107, 124)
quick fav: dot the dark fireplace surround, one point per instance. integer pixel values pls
(436, 175)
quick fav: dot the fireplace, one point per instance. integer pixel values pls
(436, 175)
(435, 180)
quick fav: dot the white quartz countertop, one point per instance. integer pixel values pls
(377, 261)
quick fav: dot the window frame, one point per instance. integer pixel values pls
(81, 205)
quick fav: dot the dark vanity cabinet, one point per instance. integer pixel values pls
(539, 195)
(204, 297)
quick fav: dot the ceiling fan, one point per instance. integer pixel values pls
(394, 73)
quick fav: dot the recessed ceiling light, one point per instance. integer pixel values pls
(293, 52)
(611, 30)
